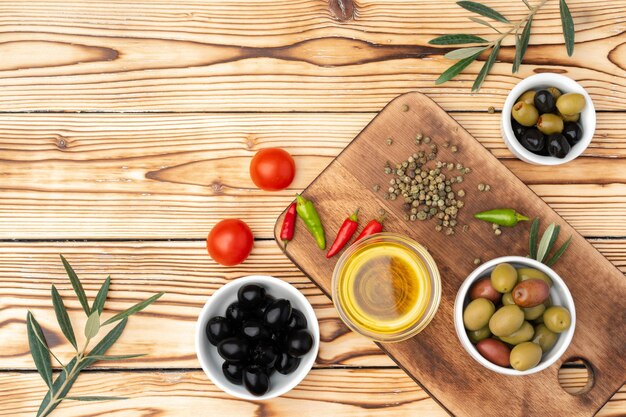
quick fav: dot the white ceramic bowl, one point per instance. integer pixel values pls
(537, 82)
(559, 294)
(211, 361)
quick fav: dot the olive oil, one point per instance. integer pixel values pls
(384, 288)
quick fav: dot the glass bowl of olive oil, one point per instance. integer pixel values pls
(386, 287)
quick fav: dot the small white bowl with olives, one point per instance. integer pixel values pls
(514, 316)
(548, 119)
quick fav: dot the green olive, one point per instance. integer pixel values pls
(528, 97)
(556, 93)
(525, 356)
(524, 274)
(477, 335)
(525, 114)
(550, 123)
(570, 103)
(506, 320)
(524, 334)
(477, 313)
(557, 319)
(503, 278)
(533, 313)
(507, 299)
(570, 117)
(544, 337)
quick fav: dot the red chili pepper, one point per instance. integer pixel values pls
(289, 224)
(374, 226)
(345, 233)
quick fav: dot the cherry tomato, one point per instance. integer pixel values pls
(272, 169)
(230, 242)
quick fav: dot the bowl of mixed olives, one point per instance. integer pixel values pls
(514, 315)
(548, 119)
(257, 337)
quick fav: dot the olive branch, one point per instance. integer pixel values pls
(60, 387)
(521, 31)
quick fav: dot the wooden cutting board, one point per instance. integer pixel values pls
(435, 358)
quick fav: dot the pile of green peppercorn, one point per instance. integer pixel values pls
(545, 122)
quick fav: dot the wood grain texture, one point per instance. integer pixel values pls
(434, 357)
(89, 176)
(185, 273)
(329, 392)
(280, 55)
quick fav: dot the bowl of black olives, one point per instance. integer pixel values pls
(548, 119)
(257, 337)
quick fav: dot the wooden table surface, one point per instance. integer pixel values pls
(126, 130)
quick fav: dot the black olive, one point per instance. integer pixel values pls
(264, 354)
(558, 146)
(297, 320)
(250, 296)
(266, 302)
(255, 329)
(518, 129)
(572, 132)
(533, 140)
(219, 328)
(237, 314)
(299, 342)
(256, 380)
(544, 101)
(278, 313)
(286, 364)
(233, 349)
(233, 372)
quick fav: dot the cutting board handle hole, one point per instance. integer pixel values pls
(576, 376)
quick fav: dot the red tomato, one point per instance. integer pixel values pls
(272, 169)
(230, 242)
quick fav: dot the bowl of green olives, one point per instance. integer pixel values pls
(548, 119)
(257, 337)
(514, 316)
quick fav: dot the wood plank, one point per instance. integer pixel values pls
(174, 175)
(430, 357)
(336, 392)
(186, 273)
(279, 55)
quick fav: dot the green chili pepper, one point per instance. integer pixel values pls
(503, 217)
(307, 212)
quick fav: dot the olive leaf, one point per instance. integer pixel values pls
(62, 317)
(39, 349)
(522, 45)
(486, 68)
(568, 27)
(455, 69)
(78, 287)
(98, 303)
(534, 234)
(134, 309)
(484, 23)
(93, 325)
(559, 252)
(464, 52)
(457, 39)
(482, 10)
(549, 235)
